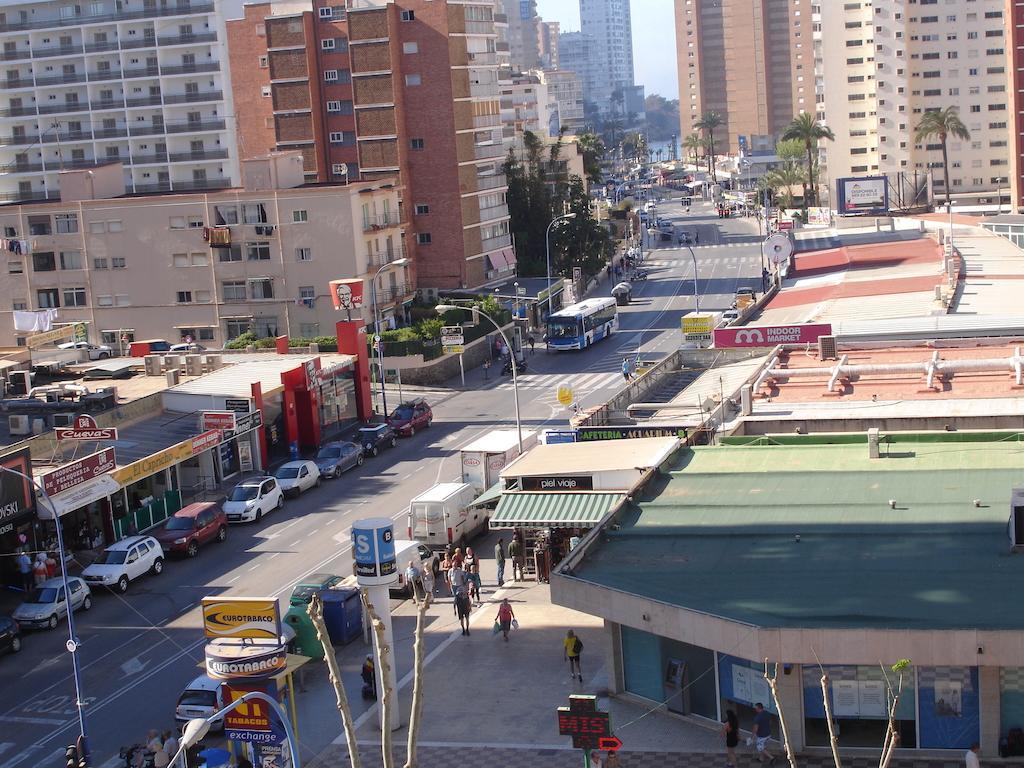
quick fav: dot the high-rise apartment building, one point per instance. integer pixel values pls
(751, 62)
(1015, 63)
(522, 34)
(898, 60)
(566, 92)
(608, 25)
(547, 43)
(136, 81)
(378, 89)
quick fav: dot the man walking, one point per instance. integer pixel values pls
(515, 551)
(457, 582)
(572, 648)
(971, 756)
(499, 559)
(762, 731)
(413, 579)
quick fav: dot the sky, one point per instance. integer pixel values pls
(654, 40)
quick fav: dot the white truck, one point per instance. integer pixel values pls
(442, 515)
(484, 458)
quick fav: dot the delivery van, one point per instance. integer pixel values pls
(442, 515)
(421, 555)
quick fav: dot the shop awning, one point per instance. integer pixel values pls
(552, 510)
(489, 496)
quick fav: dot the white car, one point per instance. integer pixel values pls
(730, 316)
(124, 561)
(46, 606)
(96, 351)
(188, 348)
(298, 476)
(253, 498)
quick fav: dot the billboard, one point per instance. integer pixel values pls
(17, 499)
(242, 617)
(770, 335)
(866, 194)
(67, 477)
(347, 294)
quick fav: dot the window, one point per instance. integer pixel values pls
(233, 290)
(343, 137)
(265, 60)
(410, 48)
(417, 144)
(224, 215)
(184, 297)
(423, 238)
(262, 288)
(408, 15)
(115, 226)
(74, 297)
(100, 264)
(206, 334)
(19, 306)
(334, 106)
(43, 262)
(39, 225)
(179, 259)
(67, 223)
(325, 13)
(177, 222)
(422, 209)
(254, 213)
(117, 262)
(70, 259)
(303, 254)
(122, 300)
(199, 259)
(15, 268)
(47, 298)
(300, 217)
(327, 45)
(307, 293)
(104, 301)
(235, 328)
(234, 253)
(257, 251)
(266, 91)
(413, 80)
(331, 75)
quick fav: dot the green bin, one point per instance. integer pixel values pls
(306, 641)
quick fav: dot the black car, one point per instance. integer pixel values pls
(10, 635)
(373, 437)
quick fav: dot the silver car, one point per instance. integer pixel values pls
(47, 605)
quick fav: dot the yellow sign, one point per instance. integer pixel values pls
(150, 465)
(565, 394)
(697, 323)
(41, 339)
(242, 617)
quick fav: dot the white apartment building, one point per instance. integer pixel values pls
(210, 265)
(608, 26)
(566, 92)
(137, 81)
(529, 107)
(881, 64)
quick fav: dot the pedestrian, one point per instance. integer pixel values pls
(446, 566)
(39, 569)
(627, 369)
(24, 563)
(971, 756)
(608, 269)
(499, 559)
(457, 582)
(612, 761)
(696, 237)
(469, 560)
(414, 579)
(572, 648)
(531, 341)
(731, 731)
(463, 606)
(505, 617)
(428, 582)
(51, 565)
(369, 678)
(474, 581)
(515, 551)
(457, 557)
(171, 744)
(160, 758)
(487, 368)
(762, 731)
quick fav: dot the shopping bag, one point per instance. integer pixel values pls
(496, 628)
(515, 624)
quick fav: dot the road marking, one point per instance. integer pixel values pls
(187, 608)
(31, 721)
(274, 555)
(6, 745)
(254, 567)
(233, 579)
(420, 467)
(133, 666)
(295, 543)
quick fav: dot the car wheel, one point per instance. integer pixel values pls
(103, 356)
(158, 566)
(359, 460)
(87, 603)
(222, 534)
(259, 515)
(412, 430)
(122, 584)
(192, 549)
(394, 442)
(51, 623)
(375, 451)
(318, 480)
(280, 501)
(15, 644)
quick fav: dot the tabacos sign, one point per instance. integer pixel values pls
(567, 483)
(771, 335)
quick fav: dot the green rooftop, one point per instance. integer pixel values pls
(718, 535)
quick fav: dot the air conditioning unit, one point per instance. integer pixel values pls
(19, 424)
(173, 377)
(19, 382)
(826, 347)
(194, 365)
(154, 365)
(63, 419)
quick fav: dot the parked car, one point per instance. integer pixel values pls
(746, 292)
(623, 292)
(10, 635)
(252, 498)
(730, 316)
(124, 561)
(191, 527)
(373, 437)
(334, 458)
(96, 351)
(201, 698)
(185, 347)
(410, 416)
(294, 477)
(302, 593)
(46, 606)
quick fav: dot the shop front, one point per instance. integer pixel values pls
(17, 512)
(80, 493)
(336, 398)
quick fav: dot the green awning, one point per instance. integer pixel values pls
(552, 509)
(489, 496)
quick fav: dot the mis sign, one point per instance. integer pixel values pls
(771, 335)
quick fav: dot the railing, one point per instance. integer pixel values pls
(57, 50)
(480, 27)
(388, 294)
(159, 157)
(149, 130)
(109, 45)
(374, 223)
(204, 125)
(202, 37)
(220, 183)
(484, 151)
(493, 243)
(144, 101)
(108, 133)
(179, 9)
(23, 168)
(494, 212)
(483, 57)
(160, 186)
(491, 182)
(25, 53)
(128, 74)
(209, 154)
(188, 69)
(190, 98)
(17, 197)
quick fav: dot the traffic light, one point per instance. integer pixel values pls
(71, 757)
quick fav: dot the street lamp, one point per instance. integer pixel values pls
(547, 243)
(377, 323)
(696, 288)
(442, 308)
(197, 728)
(72, 643)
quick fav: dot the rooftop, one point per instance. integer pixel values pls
(236, 379)
(803, 536)
(588, 458)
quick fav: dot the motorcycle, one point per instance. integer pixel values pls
(521, 366)
(638, 276)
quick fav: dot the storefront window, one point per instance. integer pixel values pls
(680, 674)
(229, 457)
(742, 685)
(949, 707)
(337, 403)
(1011, 699)
(860, 706)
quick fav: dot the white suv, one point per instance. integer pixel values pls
(125, 561)
(251, 499)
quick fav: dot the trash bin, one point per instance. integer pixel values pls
(343, 615)
(306, 641)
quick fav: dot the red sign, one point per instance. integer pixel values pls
(610, 743)
(223, 420)
(770, 335)
(205, 441)
(347, 294)
(86, 428)
(253, 715)
(77, 472)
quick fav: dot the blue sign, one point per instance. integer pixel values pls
(373, 549)
(552, 436)
(255, 737)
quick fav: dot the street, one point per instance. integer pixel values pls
(140, 649)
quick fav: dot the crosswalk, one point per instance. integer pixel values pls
(545, 386)
(752, 258)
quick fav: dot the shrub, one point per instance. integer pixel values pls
(241, 342)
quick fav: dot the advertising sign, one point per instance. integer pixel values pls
(452, 339)
(373, 547)
(347, 294)
(867, 194)
(67, 477)
(567, 483)
(588, 434)
(86, 428)
(242, 617)
(584, 722)
(237, 404)
(57, 334)
(205, 441)
(770, 335)
(697, 326)
(17, 501)
(253, 721)
(155, 463)
(217, 420)
(84, 493)
(245, 662)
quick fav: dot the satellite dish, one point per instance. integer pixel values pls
(778, 247)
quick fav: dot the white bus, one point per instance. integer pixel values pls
(580, 325)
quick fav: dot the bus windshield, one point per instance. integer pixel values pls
(563, 327)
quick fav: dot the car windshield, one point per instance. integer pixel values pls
(45, 595)
(198, 699)
(369, 434)
(331, 452)
(244, 493)
(303, 594)
(563, 327)
(402, 412)
(181, 524)
(286, 473)
(112, 557)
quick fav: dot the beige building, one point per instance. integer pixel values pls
(526, 105)
(751, 62)
(566, 91)
(522, 33)
(211, 266)
(881, 64)
(547, 43)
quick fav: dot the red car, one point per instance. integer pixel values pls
(192, 526)
(410, 416)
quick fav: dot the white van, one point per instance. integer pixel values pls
(442, 516)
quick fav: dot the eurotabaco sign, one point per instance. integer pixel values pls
(771, 335)
(86, 428)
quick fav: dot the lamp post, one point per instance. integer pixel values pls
(197, 728)
(442, 308)
(696, 287)
(72, 643)
(547, 244)
(377, 322)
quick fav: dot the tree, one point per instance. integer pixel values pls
(783, 178)
(662, 117)
(806, 128)
(942, 123)
(593, 150)
(791, 151)
(707, 124)
(316, 615)
(695, 144)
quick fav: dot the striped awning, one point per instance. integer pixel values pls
(552, 509)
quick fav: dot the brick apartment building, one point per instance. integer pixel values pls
(384, 89)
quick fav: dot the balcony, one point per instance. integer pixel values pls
(180, 9)
(494, 243)
(57, 50)
(491, 182)
(494, 212)
(476, 28)
(78, 77)
(23, 168)
(189, 69)
(398, 292)
(193, 126)
(220, 183)
(485, 151)
(160, 186)
(25, 53)
(149, 130)
(110, 133)
(191, 98)
(23, 197)
(486, 57)
(108, 45)
(209, 154)
(130, 74)
(159, 157)
(377, 223)
(203, 37)
(145, 101)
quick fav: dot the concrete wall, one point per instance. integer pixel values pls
(445, 368)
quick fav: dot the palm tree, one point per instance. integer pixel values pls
(708, 122)
(783, 178)
(942, 123)
(806, 128)
(693, 143)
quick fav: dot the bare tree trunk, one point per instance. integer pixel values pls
(891, 736)
(316, 615)
(383, 664)
(832, 738)
(782, 718)
(416, 711)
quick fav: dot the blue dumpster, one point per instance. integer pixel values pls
(343, 615)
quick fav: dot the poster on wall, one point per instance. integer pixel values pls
(948, 698)
(741, 683)
(846, 698)
(872, 699)
(759, 690)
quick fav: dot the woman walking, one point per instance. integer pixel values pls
(505, 617)
(731, 731)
